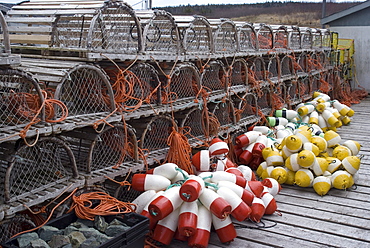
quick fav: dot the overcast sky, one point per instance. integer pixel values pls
(140, 4)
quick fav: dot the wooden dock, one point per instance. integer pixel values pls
(339, 219)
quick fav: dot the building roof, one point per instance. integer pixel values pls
(345, 12)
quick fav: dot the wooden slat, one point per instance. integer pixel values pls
(51, 12)
(33, 20)
(30, 39)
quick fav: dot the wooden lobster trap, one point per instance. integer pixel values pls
(84, 89)
(265, 36)
(238, 76)
(31, 175)
(225, 36)
(181, 86)
(196, 36)
(294, 38)
(153, 133)
(111, 152)
(213, 78)
(248, 42)
(281, 37)
(6, 57)
(273, 69)
(76, 29)
(287, 67)
(306, 38)
(246, 110)
(21, 101)
(161, 37)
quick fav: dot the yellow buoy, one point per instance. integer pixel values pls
(285, 152)
(304, 135)
(266, 151)
(341, 179)
(267, 173)
(314, 118)
(354, 146)
(334, 164)
(306, 109)
(320, 166)
(341, 152)
(330, 118)
(290, 177)
(321, 185)
(303, 178)
(311, 147)
(320, 142)
(322, 106)
(274, 158)
(345, 120)
(293, 143)
(351, 164)
(322, 123)
(306, 158)
(279, 174)
(291, 162)
(343, 109)
(332, 138)
(261, 168)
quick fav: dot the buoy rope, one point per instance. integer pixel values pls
(258, 225)
(183, 173)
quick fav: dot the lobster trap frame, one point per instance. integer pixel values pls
(246, 109)
(225, 113)
(294, 38)
(195, 122)
(307, 38)
(292, 97)
(264, 100)
(213, 78)
(281, 37)
(265, 36)
(238, 76)
(225, 36)
(273, 69)
(287, 67)
(248, 41)
(257, 72)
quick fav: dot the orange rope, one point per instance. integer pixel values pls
(83, 205)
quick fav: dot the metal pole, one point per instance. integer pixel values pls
(323, 11)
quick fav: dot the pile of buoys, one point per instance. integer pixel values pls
(185, 207)
(307, 154)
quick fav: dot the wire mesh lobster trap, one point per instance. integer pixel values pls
(33, 174)
(294, 38)
(291, 94)
(307, 38)
(225, 36)
(225, 113)
(213, 78)
(316, 39)
(326, 39)
(15, 225)
(265, 36)
(281, 37)
(247, 37)
(160, 34)
(238, 76)
(195, 124)
(181, 85)
(111, 152)
(305, 88)
(196, 35)
(273, 69)
(82, 29)
(246, 110)
(20, 100)
(287, 67)
(83, 88)
(257, 72)
(315, 82)
(302, 64)
(6, 57)
(264, 100)
(323, 59)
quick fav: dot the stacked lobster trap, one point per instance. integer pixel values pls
(101, 88)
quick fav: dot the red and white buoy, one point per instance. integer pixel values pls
(166, 228)
(224, 176)
(247, 138)
(269, 202)
(145, 211)
(272, 185)
(143, 199)
(247, 172)
(224, 228)
(256, 187)
(188, 219)
(223, 164)
(243, 193)
(218, 147)
(235, 171)
(192, 188)
(144, 182)
(258, 210)
(239, 209)
(168, 170)
(259, 145)
(201, 161)
(201, 237)
(215, 203)
(166, 203)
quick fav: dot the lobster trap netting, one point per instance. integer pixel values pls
(245, 108)
(326, 39)
(85, 90)
(315, 83)
(316, 39)
(117, 30)
(292, 93)
(225, 38)
(238, 74)
(323, 59)
(303, 63)
(264, 100)
(154, 133)
(287, 67)
(195, 120)
(20, 98)
(31, 170)
(294, 38)
(160, 33)
(247, 38)
(265, 37)
(197, 36)
(281, 38)
(307, 39)
(109, 148)
(313, 63)
(224, 112)
(304, 85)
(15, 225)
(257, 71)
(184, 83)
(273, 69)
(213, 77)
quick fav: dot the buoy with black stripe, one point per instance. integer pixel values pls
(192, 188)
(201, 160)
(239, 209)
(188, 218)
(276, 121)
(286, 113)
(215, 203)
(258, 210)
(144, 182)
(247, 138)
(224, 228)
(168, 170)
(166, 203)
(165, 229)
(201, 237)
